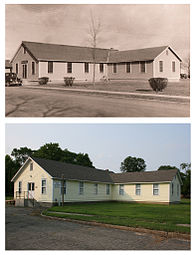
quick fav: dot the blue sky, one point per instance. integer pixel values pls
(123, 26)
(109, 144)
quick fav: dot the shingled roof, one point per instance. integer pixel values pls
(73, 172)
(136, 55)
(67, 53)
(76, 172)
(148, 176)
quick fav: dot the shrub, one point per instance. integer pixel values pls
(43, 80)
(158, 84)
(68, 81)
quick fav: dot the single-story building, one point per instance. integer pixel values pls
(34, 60)
(44, 182)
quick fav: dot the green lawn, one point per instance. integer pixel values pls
(181, 88)
(151, 216)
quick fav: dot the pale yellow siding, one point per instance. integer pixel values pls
(167, 57)
(36, 176)
(72, 192)
(146, 193)
(78, 72)
(175, 193)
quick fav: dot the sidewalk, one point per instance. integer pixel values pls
(116, 93)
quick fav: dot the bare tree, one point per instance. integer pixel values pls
(94, 30)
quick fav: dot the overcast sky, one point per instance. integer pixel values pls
(123, 26)
(109, 144)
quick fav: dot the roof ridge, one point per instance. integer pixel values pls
(165, 46)
(88, 47)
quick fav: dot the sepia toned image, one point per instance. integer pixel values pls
(97, 60)
(125, 192)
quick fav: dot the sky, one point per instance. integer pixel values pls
(109, 144)
(123, 27)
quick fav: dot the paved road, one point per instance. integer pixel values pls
(26, 230)
(26, 102)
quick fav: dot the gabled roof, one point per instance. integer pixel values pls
(57, 170)
(136, 55)
(67, 53)
(78, 54)
(73, 172)
(148, 176)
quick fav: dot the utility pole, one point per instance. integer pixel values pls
(62, 190)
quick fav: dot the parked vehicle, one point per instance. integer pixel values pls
(11, 79)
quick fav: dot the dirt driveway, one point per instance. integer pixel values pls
(27, 230)
(26, 102)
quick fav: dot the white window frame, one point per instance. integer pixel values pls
(107, 189)
(114, 68)
(50, 66)
(128, 63)
(20, 187)
(138, 189)
(33, 73)
(161, 66)
(121, 189)
(95, 188)
(86, 67)
(140, 63)
(69, 67)
(101, 64)
(81, 188)
(31, 166)
(155, 188)
(43, 187)
(178, 190)
(173, 69)
(172, 188)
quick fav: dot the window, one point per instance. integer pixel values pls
(81, 188)
(107, 189)
(121, 189)
(138, 189)
(173, 66)
(43, 186)
(96, 188)
(128, 67)
(114, 68)
(69, 67)
(20, 187)
(167, 52)
(63, 188)
(24, 50)
(172, 188)
(86, 65)
(33, 68)
(178, 190)
(143, 67)
(161, 66)
(101, 68)
(16, 68)
(50, 67)
(155, 189)
(31, 166)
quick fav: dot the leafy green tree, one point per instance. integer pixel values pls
(167, 167)
(49, 151)
(133, 164)
(20, 155)
(186, 179)
(11, 167)
(84, 160)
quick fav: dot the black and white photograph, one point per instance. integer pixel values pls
(109, 60)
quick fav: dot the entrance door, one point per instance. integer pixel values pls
(24, 71)
(31, 190)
